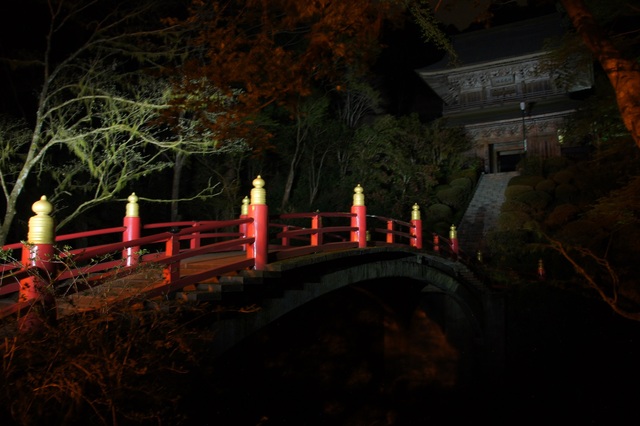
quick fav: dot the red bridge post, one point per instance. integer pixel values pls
(416, 230)
(316, 223)
(541, 271)
(360, 220)
(38, 254)
(244, 213)
(453, 238)
(258, 228)
(132, 232)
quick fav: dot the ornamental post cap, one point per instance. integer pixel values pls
(132, 205)
(41, 230)
(42, 206)
(258, 182)
(358, 196)
(258, 193)
(415, 212)
(244, 210)
(452, 233)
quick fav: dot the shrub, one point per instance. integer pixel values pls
(513, 191)
(439, 212)
(454, 197)
(464, 183)
(512, 220)
(471, 174)
(537, 200)
(530, 180)
(566, 193)
(562, 176)
(561, 215)
(513, 206)
(546, 185)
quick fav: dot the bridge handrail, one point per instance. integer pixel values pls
(252, 236)
(391, 231)
(315, 234)
(80, 262)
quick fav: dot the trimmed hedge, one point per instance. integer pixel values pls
(463, 182)
(566, 193)
(512, 220)
(529, 180)
(514, 190)
(454, 197)
(563, 176)
(561, 215)
(537, 200)
(438, 212)
(546, 185)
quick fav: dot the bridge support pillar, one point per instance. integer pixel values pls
(258, 228)
(37, 255)
(360, 220)
(132, 231)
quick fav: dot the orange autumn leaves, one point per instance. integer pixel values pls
(275, 52)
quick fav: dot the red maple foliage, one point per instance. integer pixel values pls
(264, 52)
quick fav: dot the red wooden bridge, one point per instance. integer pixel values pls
(194, 260)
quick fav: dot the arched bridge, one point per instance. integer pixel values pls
(255, 268)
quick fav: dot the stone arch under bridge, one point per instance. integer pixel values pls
(470, 313)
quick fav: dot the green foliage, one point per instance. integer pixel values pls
(536, 200)
(582, 219)
(455, 197)
(463, 182)
(471, 172)
(561, 215)
(514, 190)
(546, 185)
(566, 193)
(562, 176)
(439, 213)
(512, 220)
(524, 179)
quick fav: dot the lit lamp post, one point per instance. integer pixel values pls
(524, 131)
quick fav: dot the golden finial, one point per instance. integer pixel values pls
(258, 193)
(41, 225)
(132, 205)
(415, 212)
(244, 210)
(358, 196)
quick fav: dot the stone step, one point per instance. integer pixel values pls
(482, 212)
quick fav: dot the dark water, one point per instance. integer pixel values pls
(362, 356)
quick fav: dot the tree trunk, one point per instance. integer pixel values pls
(623, 73)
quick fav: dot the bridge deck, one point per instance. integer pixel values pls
(136, 286)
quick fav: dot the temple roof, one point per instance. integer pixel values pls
(500, 43)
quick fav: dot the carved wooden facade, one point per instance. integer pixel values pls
(503, 96)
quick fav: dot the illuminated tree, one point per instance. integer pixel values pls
(95, 126)
(279, 52)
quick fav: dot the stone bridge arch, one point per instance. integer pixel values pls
(470, 313)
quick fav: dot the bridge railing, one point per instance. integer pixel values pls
(387, 231)
(290, 237)
(262, 237)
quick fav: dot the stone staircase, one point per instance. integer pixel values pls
(482, 213)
